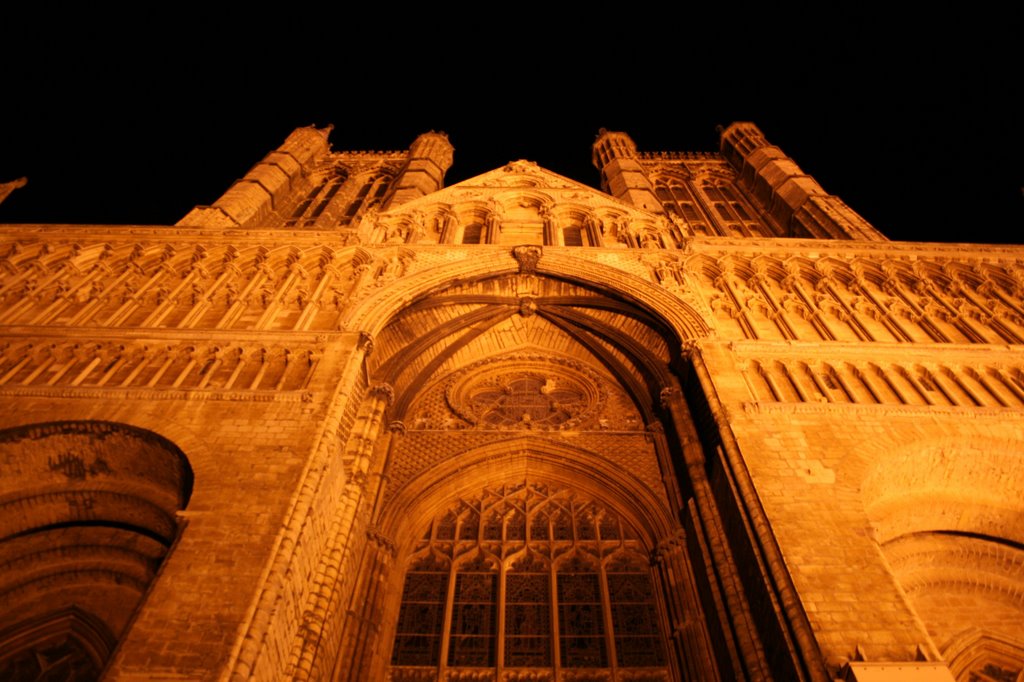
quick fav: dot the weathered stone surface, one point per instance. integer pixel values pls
(350, 424)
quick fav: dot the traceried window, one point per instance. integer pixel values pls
(733, 216)
(310, 208)
(679, 201)
(528, 577)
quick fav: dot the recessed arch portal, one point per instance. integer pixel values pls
(377, 311)
(946, 515)
(523, 319)
(539, 382)
(87, 514)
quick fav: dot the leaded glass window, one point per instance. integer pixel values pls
(634, 614)
(580, 616)
(474, 615)
(418, 637)
(528, 577)
(528, 614)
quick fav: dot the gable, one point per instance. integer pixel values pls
(519, 203)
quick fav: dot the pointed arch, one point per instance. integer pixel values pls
(87, 514)
(373, 313)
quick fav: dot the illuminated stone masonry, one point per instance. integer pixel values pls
(350, 424)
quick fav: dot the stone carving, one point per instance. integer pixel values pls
(65, 656)
(365, 343)
(525, 392)
(520, 166)
(382, 541)
(74, 467)
(411, 675)
(170, 367)
(881, 383)
(383, 392)
(392, 266)
(667, 271)
(527, 256)
(528, 676)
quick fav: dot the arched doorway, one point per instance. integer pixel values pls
(503, 367)
(947, 519)
(87, 514)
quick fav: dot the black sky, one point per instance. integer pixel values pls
(914, 123)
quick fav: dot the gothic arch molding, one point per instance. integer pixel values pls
(88, 511)
(373, 314)
(632, 365)
(69, 642)
(946, 516)
(904, 490)
(193, 446)
(977, 651)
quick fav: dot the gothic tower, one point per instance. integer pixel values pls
(348, 423)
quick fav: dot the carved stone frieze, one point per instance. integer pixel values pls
(174, 367)
(868, 300)
(995, 414)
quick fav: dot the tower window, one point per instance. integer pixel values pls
(471, 234)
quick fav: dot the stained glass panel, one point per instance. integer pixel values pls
(421, 619)
(474, 619)
(581, 621)
(634, 617)
(527, 620)
(558, 523)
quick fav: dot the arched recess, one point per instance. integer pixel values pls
(87, 514)
(948, 520)
(467, 369)
(377, 311)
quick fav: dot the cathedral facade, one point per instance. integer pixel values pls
(348, 423)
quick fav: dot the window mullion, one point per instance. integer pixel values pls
(446, 633)
(500, 633)
(556, 628)
(606, 613)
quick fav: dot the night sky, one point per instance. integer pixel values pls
(916, 127)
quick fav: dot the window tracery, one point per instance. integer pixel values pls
(528, 577)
